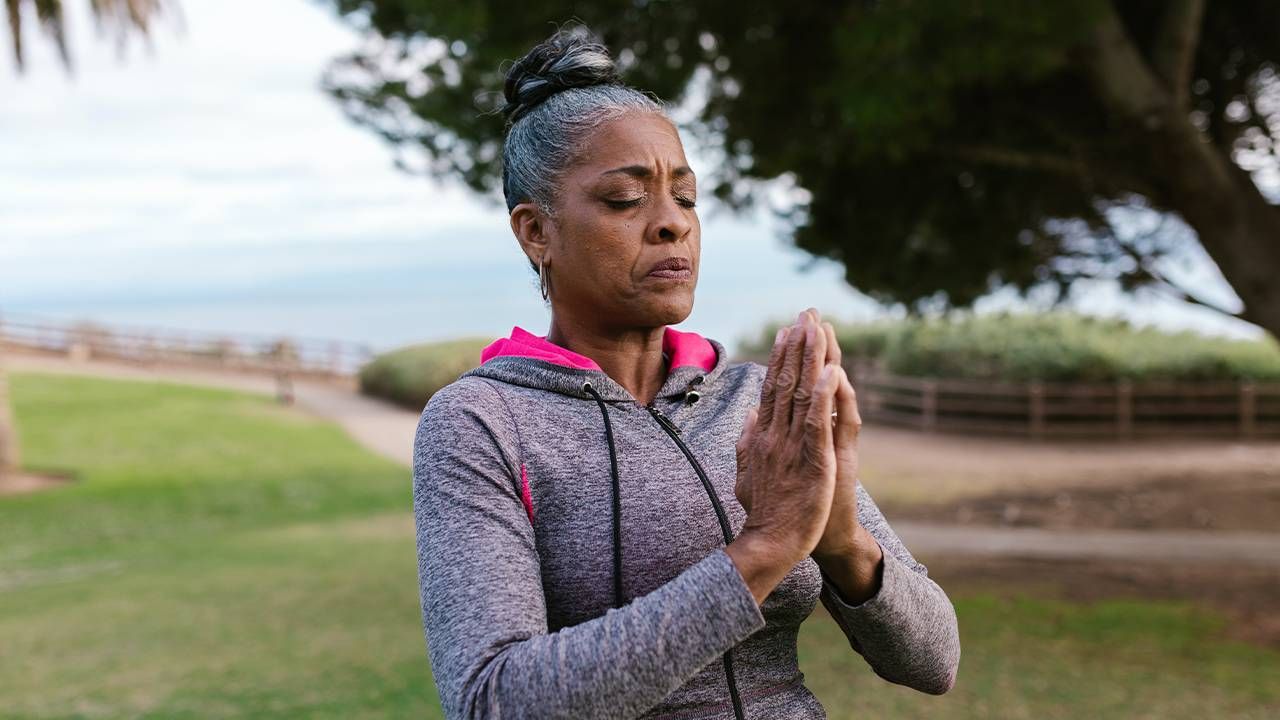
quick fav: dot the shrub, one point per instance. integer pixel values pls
(1053, 346)
(411, 375)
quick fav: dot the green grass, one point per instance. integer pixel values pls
(220, 556)
(1024, 657)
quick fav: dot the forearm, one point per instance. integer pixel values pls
(616, 665)
(906, 630)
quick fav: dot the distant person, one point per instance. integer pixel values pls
(613, 520)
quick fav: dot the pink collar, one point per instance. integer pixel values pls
(683, 348)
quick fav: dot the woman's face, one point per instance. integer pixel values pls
(626, 205)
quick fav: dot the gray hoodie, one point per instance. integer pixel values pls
(571, 550)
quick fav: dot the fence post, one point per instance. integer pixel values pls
(1248, 409)
(1035, 393)
(1124, 408)
(929, 406)
(335, 358)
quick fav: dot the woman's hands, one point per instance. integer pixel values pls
(787, 456)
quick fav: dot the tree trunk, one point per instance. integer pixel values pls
(1235, 223)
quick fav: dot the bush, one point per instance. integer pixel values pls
(411, 375)
(1054, 346)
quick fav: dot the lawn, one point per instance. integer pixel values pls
(221, 556)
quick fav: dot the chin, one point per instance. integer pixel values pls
(671, 309)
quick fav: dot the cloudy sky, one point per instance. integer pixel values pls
(208, 184)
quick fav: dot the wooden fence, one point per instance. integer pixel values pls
(1055, 409)
(153, 346)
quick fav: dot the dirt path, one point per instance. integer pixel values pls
(899, 466)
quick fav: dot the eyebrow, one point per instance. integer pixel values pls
(640, 171)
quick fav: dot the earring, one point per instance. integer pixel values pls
(542, 278)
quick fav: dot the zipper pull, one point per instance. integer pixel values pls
(663, 419)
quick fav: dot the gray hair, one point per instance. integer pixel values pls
(556, 94)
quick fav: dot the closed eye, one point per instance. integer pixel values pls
(624, 204)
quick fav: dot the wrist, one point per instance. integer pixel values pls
(762, 562)
(855, 569)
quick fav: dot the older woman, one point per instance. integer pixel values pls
(613, 521)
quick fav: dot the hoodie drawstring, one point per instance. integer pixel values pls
(617, 498)
(690, 397)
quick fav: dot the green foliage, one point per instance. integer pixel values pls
(941, 144)
(1054, 346)
(411, 375)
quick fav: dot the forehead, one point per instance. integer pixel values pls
(635, 139)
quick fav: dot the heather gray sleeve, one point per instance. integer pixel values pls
(907, 631)
(484, 613)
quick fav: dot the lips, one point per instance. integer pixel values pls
(672, 267)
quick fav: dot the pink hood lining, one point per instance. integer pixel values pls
(682, 348)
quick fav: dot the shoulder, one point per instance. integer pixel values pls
(461, 409)
(746, 374)
(466, 423)
(466, 392)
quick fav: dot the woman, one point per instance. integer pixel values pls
(612, 520)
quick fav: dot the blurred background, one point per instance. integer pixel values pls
(242, 243)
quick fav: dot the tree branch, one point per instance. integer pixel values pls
(1072, 166)
(1120, 74)
(1173, 56)
(1145, 269)
(1018, 159)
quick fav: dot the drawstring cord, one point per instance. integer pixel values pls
(617, 497)
(691, 396)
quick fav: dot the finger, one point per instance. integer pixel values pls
(834, 356)
(744, 440)
(818, 439)
(848, 423)
(771, 377)
(788, 376)
(815, 349)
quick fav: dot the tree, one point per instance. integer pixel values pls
(121, 17)
(941, 150)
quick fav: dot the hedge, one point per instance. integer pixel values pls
(409, 376)
(1052, 346)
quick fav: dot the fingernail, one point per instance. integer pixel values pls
(782, 332)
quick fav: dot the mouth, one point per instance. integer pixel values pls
(673, 268)
(671, 274)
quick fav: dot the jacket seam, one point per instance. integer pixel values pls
(515, 428)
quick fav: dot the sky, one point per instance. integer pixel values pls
(208, 184)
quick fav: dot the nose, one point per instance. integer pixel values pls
(673, 221)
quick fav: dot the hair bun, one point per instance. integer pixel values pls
(567, 59)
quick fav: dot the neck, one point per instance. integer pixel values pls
(631, 357)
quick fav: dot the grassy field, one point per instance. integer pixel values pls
(220, 556)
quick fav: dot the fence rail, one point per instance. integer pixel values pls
(150, 346)
(1123, 409)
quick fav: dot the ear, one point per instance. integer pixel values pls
(532, 227)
